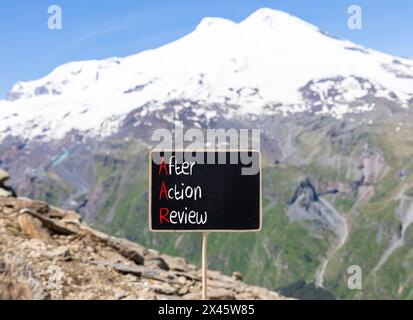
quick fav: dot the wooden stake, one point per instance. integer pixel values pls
(204, 266)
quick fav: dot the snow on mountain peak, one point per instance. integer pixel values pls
(275, 18)
(212, 22)
(268, 14)
(270, 58)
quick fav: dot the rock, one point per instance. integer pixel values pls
(72, 216)
(127, 249)
(191, 267)
(55, 277)
(221, 283)
(245, 296)
(50, 224)
(237, 276)
(32, 227)
(35, 206)
(60, 253)
(9, 190)
(123, 269)
(156, 262)
(183, 291)
(182, 280)
(56, 213)
(113, 256)
(119, 294)
(5, 193)
(220, 294)
(7, 203)
(187, 275)
(33, 248)
(4, 176)
(175, 263)
(164, 289)
(19, 282)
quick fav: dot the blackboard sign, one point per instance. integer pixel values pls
(205, 191)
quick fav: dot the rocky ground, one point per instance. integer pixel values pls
(49, 253)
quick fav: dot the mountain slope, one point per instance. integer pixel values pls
(48, 253)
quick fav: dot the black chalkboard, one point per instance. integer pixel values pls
(205, 191)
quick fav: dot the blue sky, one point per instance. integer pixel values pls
(95, 29)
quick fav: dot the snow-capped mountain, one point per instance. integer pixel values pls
(270, 62)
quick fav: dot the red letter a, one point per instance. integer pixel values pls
(163, 190)
(163, 166)
(163, 216)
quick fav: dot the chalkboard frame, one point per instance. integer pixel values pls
(202, 230)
